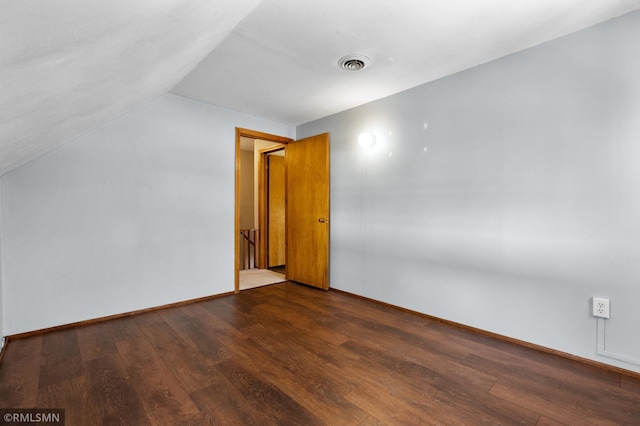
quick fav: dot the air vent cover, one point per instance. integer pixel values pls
(353, 62)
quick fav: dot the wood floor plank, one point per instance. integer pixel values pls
(308, 297)
(351, 323)
(222, 403)
(302, 340)
(95, 341)
(191, 367)
(521, 359)
(563, 388)
(164, 399)
(320, 327)
(209, 319)
(390, 409)
(124, 328)
(413, 380)
(59, 346)
(371, 421)
(73, 396)
(112, 396)
(393, 332)
(148, 319)
(61, 358)
(319, 388)
(198, 337)
(20, 373)
(544, 421)
(283, 409)
(429, 330)
(407, 347)
(235, 311)
(631, 384)
(556, 409)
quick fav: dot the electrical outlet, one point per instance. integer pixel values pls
(601, 308)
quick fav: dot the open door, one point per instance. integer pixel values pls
(307, 211)
(251, 134)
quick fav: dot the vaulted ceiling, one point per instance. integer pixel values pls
(68, 67)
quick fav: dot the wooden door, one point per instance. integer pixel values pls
(307, 211)
(276, 211)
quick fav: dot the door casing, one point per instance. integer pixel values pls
(240, 132)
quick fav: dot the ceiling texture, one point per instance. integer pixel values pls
(68, 67)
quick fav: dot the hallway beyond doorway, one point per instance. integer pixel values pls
(252, 278)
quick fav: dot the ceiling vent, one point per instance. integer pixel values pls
(353, 62)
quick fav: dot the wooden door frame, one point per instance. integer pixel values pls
(263, 190)
(240, 132)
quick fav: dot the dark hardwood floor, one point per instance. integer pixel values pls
(289, 354)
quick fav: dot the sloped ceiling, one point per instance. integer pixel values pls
(70, 66)
(281, 62)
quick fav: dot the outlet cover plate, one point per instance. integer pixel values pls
(601, 308)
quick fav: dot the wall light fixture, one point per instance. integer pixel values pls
(366, 140)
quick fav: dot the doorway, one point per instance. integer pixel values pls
(306, 193)
(253, 152)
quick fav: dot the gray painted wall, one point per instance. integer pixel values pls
(503, 197)
(137, 214)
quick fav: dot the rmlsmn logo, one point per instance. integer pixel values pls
(32, 416)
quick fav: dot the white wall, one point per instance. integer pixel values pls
(516, 204)
(137, 214)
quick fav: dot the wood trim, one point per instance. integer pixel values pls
(597, 364)
(262, 136)
(240, 132)
(236, 226)
(112, 317)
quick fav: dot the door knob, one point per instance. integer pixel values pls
(323, 220)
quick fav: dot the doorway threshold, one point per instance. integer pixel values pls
(252, 278)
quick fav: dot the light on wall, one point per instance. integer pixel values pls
(366, 140)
